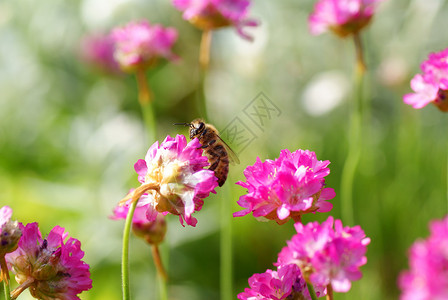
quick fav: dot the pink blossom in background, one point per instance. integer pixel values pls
(287, 187)
(213, 14)
(98, 50)
(153, 232)
(427, 277)
(343, 17)
(285, 283)
(327, 254)
(53, 266)
(432, 85)
(138, 45)
(10, 232)
(177, 169)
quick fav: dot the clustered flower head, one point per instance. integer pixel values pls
(432, 85)
(287, 187)
(98, 50)
(427, 278)
(285, 283)
(138, 45)
(213, 14)
(343, 17)
(10, 232)
(173, 179)
(52, 268)
(153, 232)
(326, 254)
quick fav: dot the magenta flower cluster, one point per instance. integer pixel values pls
(135, 46)
(286, 187)
(173, 179)
(285, 283)
(213, 14)
(52, 268)
(432, 85)
(98, 50)
(427, 277)
(327, 253)
(343, 17)
(140, 44)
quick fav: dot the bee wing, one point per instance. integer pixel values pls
(233, 158)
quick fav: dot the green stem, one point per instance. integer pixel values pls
(204, 62)
(150, 122)
(355, 139)
(146, 103)
(125, 257)
(5, 278)
(226, 276)
(311, 291)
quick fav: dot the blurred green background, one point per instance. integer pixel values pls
(69, 135)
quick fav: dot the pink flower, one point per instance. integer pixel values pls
(285, 283)
(98, 50)
(432, 85)
(343, 17)
(153, 232)
(327, 255)
(287, 187)
(10, 232)
(173, 179)
(427, 278)
(212, 14)
(140, 45)
(52, 267)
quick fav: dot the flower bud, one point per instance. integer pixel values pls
(10, 232)
(152, 232)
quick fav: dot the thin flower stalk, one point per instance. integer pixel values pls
(226, 246)
(311, 291)
(17, 291)
(329, 292)
(5, 278)
(204, 50)
(204, 63)
(354, 151)
(125, 253)
(158, 262)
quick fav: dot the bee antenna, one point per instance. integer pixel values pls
(183, 124)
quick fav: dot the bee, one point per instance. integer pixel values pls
(217, 151)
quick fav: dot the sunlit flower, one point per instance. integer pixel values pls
(10, 232)
(139, 45)
(343, 17)
(432, 85)
(51, 268)
(288, 187)
(327, 255)
(213, 14)
(173, 179)
(285, 283)
(427, 278)
(98, 50)
(153, 232)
